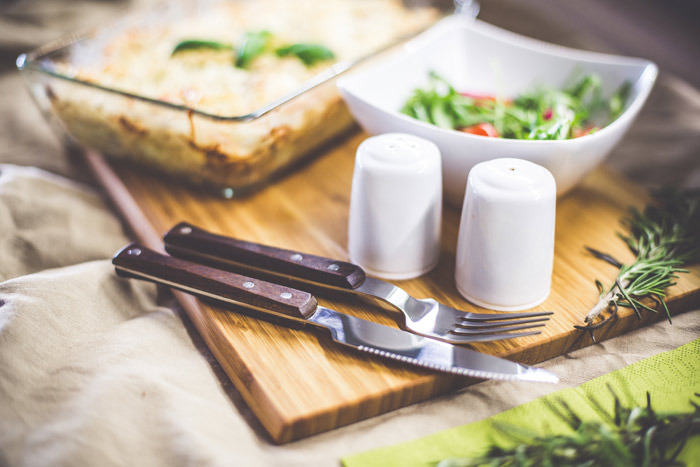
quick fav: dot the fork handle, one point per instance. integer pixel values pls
(137, 261)
(189, 241)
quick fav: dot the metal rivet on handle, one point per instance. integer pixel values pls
(248, 285)
(333, 267)
(133, 251)
(296, 257)
(186, 230)
(286, 295)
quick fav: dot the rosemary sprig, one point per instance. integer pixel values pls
(664, 238)
(630, 436)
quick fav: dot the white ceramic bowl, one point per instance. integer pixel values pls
(480, 58)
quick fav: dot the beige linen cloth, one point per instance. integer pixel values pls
(96, 371)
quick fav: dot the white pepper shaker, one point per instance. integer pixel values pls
(505, 248)
(396, 206)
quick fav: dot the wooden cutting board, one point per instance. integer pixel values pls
(297, 381)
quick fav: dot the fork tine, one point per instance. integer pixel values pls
(470, 331)
(503, 316)
(494, 324)
(465, 339)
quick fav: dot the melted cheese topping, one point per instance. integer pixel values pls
(138, 60)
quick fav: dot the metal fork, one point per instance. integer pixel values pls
(425, 316)
(430, 318)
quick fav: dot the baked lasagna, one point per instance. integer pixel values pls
(196, 92)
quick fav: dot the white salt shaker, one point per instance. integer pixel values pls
(396, 206)
(505, 248)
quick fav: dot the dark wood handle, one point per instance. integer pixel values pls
(139, 262)
(192, 242)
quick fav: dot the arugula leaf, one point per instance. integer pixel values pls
(197, 44)
(441, 116)
(306, 52)
(252, 44)
(618, 99)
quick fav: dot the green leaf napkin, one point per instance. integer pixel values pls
(671, 377)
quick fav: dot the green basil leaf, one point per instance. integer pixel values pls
(307, 53)
(251, 45)
(197, 44)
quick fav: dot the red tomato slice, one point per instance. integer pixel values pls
(481, 129)
(578, 132)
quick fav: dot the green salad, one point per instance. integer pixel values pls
(541, 114)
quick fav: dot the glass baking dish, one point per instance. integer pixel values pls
(231, 151)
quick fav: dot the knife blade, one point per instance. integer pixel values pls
(137, 261)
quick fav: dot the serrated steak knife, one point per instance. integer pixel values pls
(139, 262)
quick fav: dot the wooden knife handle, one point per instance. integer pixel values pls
(192, 242)
(137, 261)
